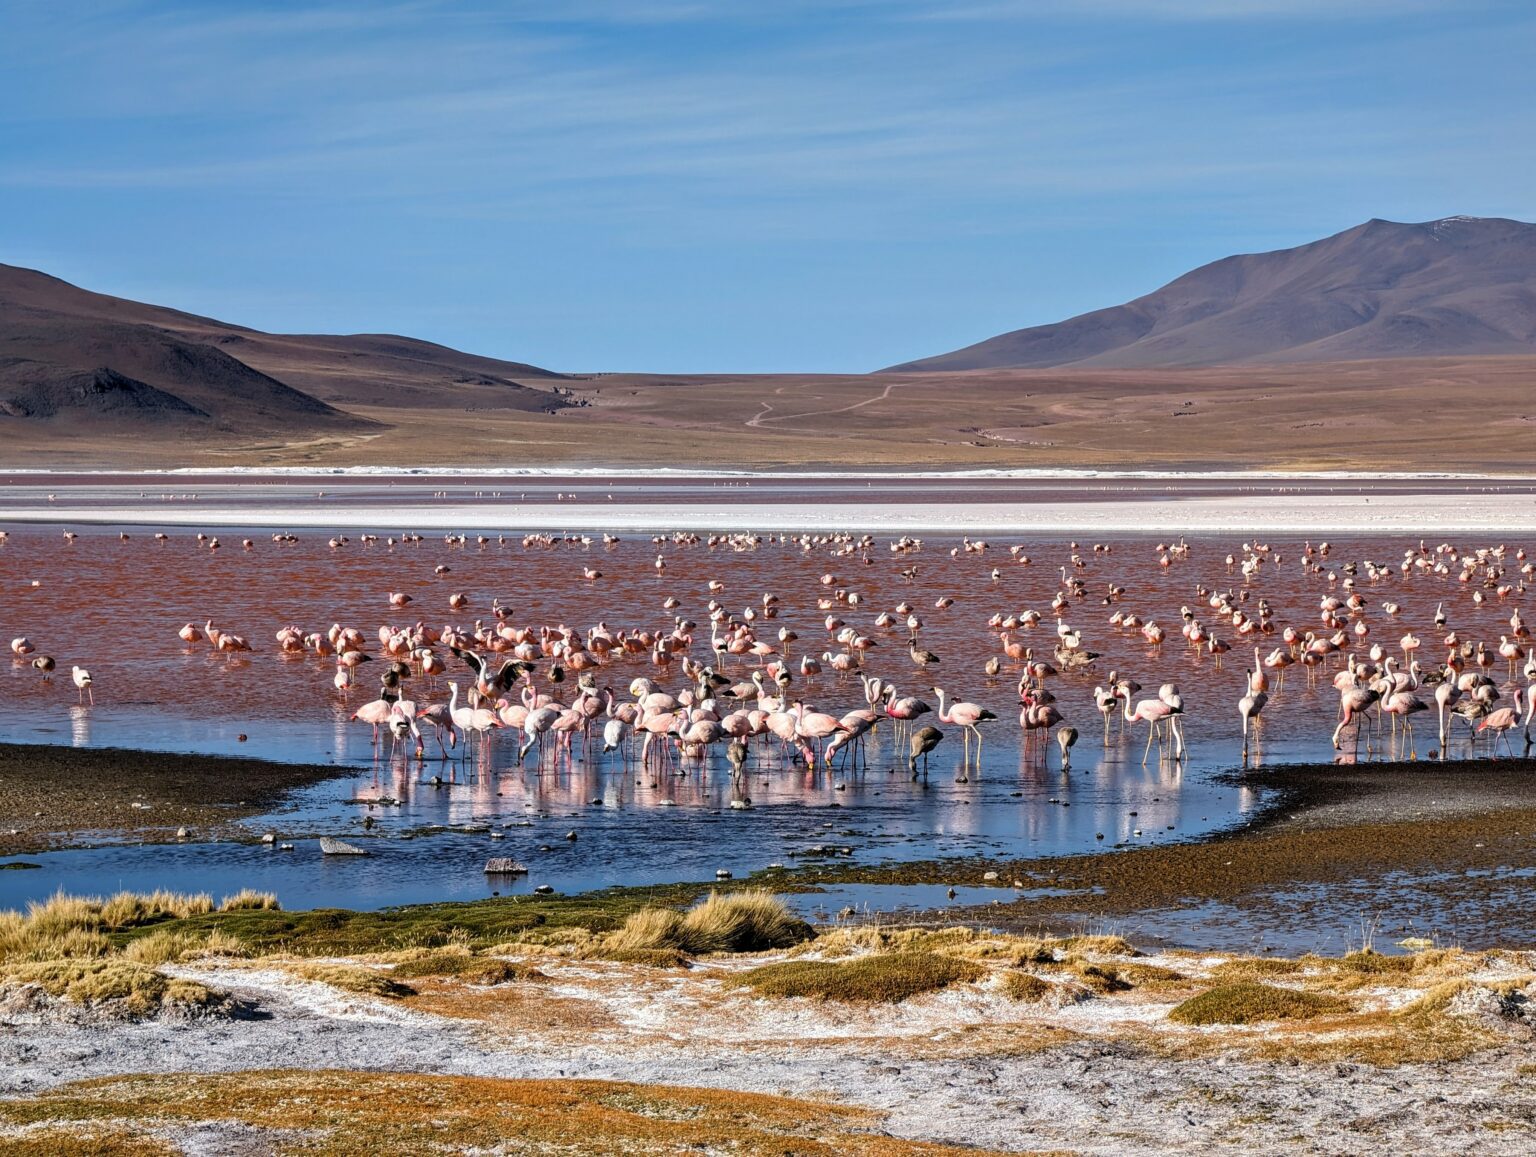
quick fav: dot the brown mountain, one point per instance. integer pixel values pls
(70, 357)
(1460, 286)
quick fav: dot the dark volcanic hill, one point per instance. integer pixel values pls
(1461, 286)
(71, 356)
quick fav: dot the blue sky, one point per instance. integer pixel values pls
(712, 185)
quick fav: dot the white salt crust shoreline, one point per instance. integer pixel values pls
(1428, 513)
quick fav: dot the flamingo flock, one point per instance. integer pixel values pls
(750, 679)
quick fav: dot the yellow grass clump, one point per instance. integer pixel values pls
(1150, 975)
(648, 929)
(1251, 1003)
(60, 914)
(25, 942)
(751, 921)
(127, 909)
(649, 957)
(879, 979)
(1103, 945)
(249, 900)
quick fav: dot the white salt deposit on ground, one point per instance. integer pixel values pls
(936, 1064)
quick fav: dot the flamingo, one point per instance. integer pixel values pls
(377, 713)
(438, 718)
(966, 715)
(1153, 712)
(814, 725)
(480, 720)
(1354, 700)
(402, 723)
(616, 734)
(82, 680)
(1446, 695)
(1066, 739)
(1249, 707)
(904, 710)
(923, 741)
(1404, 705)
(539, 723)
(1502, 722)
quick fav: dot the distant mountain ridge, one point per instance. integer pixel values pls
(1458, 286)
(68, 355)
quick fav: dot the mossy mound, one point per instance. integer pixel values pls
(881, 979)
(1251, 1003)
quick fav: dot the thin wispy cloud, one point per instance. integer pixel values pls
(911, 138)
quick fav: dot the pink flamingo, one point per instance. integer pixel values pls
(1155, 712)
(1502, 722)
(377, 713)
(1403, 705)
(539, 723)
(437, 717)
(814, 725)
(966, 715)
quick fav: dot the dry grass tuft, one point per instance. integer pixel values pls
(1102, 945)
(128, 909)
(163, 947)
(249, 900)
(1249, 1003)
(60, 914)
(27, 943)
(364, 981)
(648, 929)
(751, 921)
(880, 979)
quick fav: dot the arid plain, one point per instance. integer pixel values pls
(1417, 415)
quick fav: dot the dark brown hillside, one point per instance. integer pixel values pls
(1457, 287)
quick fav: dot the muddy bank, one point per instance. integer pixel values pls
(59, 797)
(1444, 850)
